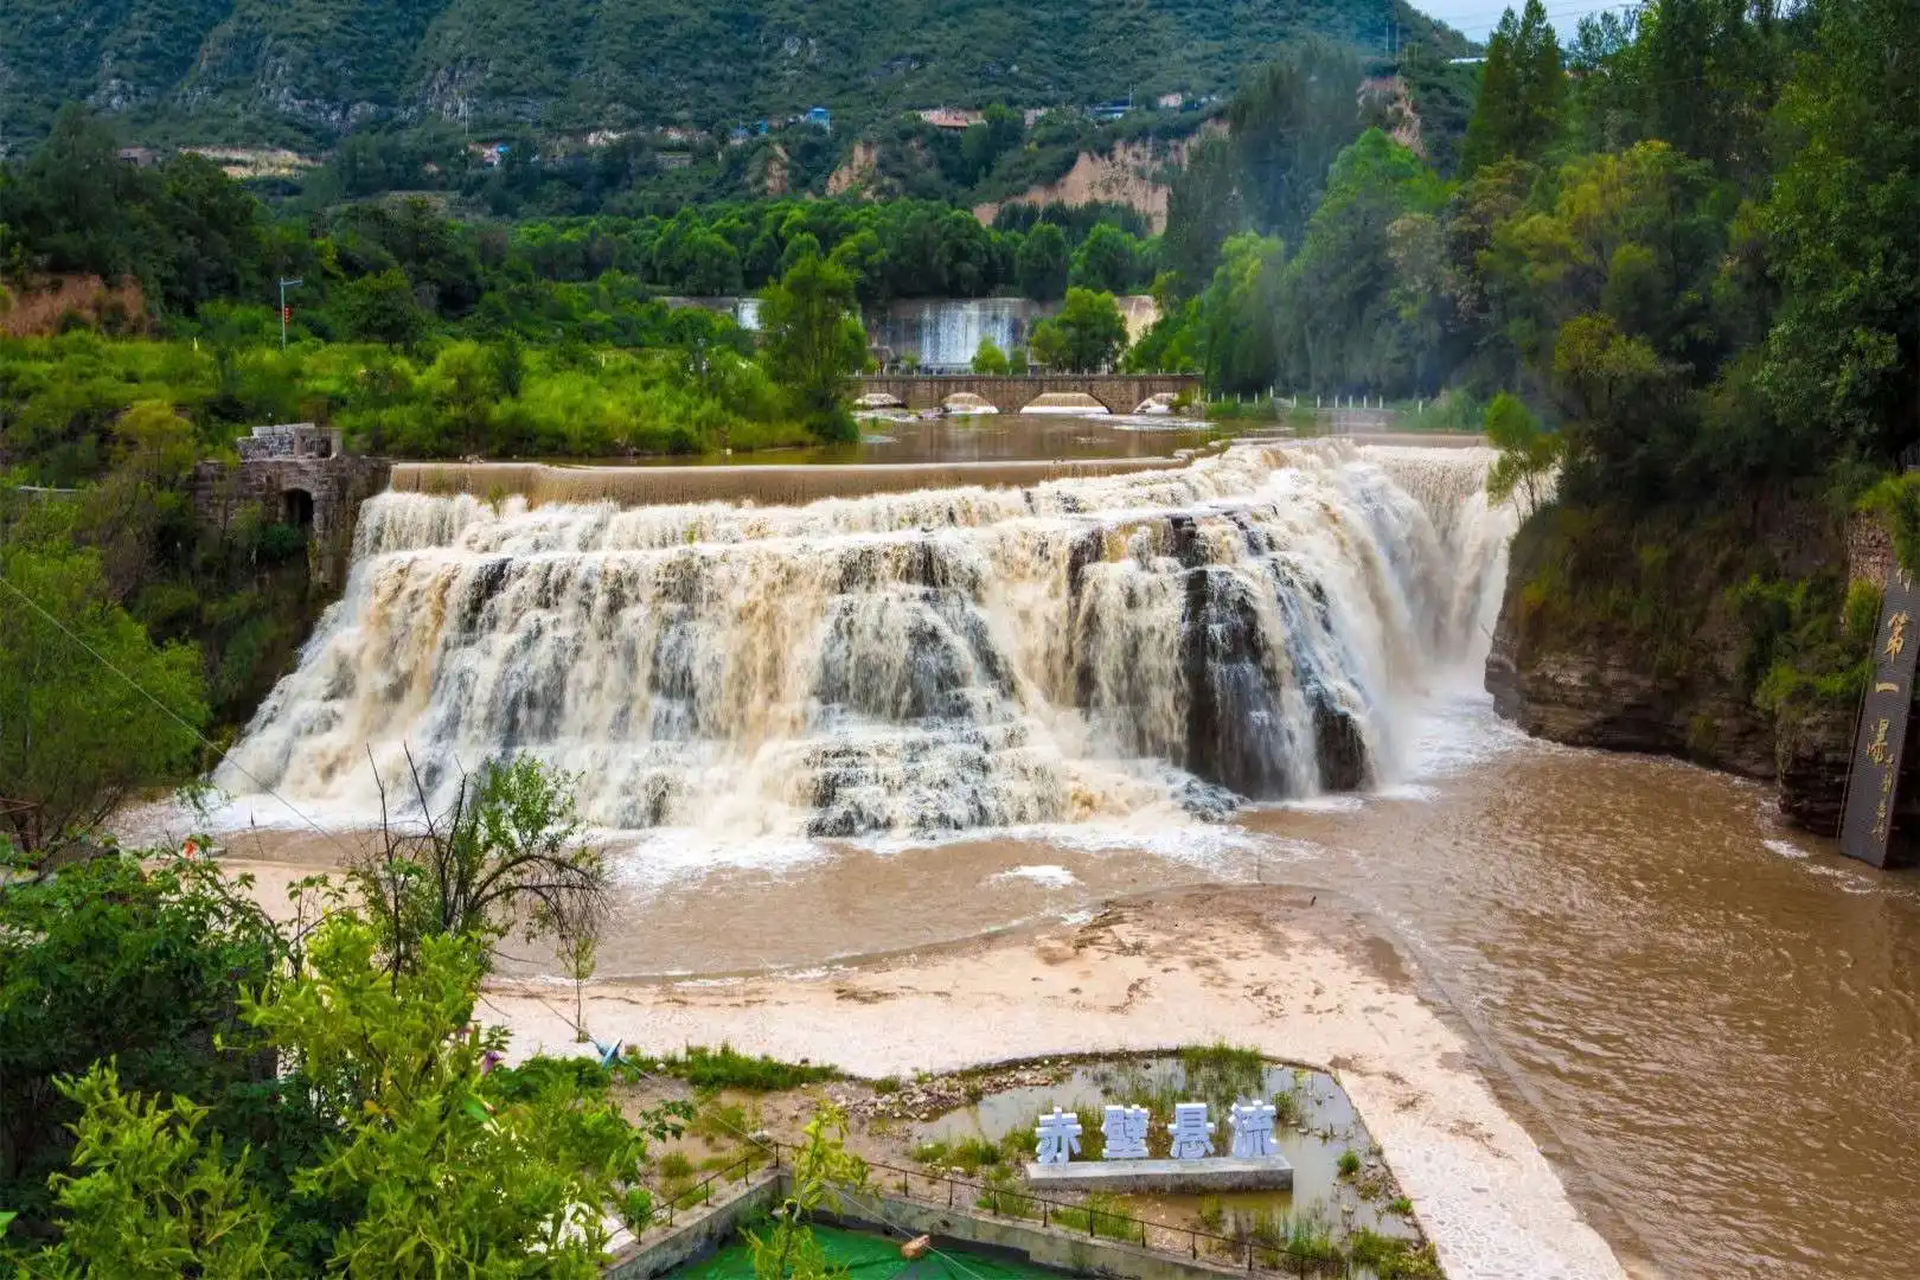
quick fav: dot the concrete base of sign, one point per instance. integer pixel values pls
(1220, 1174)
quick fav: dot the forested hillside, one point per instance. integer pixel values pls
(303, 72)
(1676, 265)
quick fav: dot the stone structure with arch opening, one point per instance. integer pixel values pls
(297, 474)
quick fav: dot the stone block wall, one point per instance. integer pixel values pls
(333, 489)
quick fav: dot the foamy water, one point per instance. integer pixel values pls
(1261, 624)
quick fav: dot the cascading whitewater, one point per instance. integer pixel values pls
(1253, 625)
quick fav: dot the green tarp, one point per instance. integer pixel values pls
(869, 1257)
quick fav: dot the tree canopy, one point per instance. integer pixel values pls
(91, 710)
(814, 341)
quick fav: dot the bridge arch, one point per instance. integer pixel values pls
(1106, 401)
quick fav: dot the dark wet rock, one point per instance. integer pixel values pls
(1340, 749)
(1205, 800)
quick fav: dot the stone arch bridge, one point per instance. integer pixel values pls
(1010, 393)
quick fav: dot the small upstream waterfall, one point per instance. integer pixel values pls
(943, 333)
(1254, 625)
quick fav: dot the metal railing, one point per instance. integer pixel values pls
(1005, 1201)
(668, 1202)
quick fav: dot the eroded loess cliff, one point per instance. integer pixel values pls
(1734, 642)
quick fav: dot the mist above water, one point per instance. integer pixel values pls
(1255, 625)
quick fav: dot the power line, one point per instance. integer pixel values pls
(170, 713)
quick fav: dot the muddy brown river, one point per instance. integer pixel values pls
(1708, 1021)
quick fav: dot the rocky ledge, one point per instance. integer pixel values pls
(1586, 693)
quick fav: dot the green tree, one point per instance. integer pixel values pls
(213, 246)
(420, 1141)
(863, 257)
(1620, 400)
(381, 308)
(988, 358)
(1843, 356)
(1342, 327)
(464, 382)
(1104, 262)
(1528, 455)
(999, 131)
(813, 342)
(108, 960)
(1236, 340)
(1522, 91)
(1204, 208)
(506, 848)
(152, 1197)
(1286, 128)
(822, 1170)
(75, 206)
(91, 710)
(1088, 334)
(1042, 263)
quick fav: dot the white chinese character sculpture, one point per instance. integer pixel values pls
(1126, 1131)
(1252, 1125)
(1192, 1132)
(1059, 1137)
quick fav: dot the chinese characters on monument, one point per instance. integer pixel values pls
(1125, 1129)
(1872, 786)
(1192, 1132)
(1252, 1126)
(1059, 1137)
(1190, 1135)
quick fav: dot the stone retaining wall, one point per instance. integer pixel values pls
(324, 493)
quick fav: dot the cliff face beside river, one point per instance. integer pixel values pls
(1663, 649)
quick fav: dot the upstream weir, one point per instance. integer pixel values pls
(1246, 626)
(541, 483)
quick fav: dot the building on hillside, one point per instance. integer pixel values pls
(1170, 101)
(819, 118)
(140, 157)
(1110, 110)
(949, 117)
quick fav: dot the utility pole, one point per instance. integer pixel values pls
(286, 314)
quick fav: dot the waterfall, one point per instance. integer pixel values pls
(1254, 625)
(943, 333)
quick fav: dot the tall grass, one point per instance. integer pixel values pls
(1104, 1217)
(728, 1068)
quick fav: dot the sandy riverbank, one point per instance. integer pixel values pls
(1256, 967)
